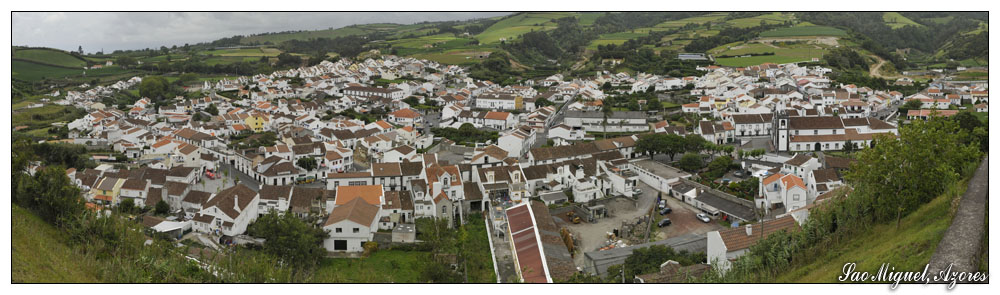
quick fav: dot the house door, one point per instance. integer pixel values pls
(340, 245)
(817, 148)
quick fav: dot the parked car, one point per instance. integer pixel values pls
(664, 222)
(665, 211)
(738, 173)
(637, 191)
(703, 217)
(663, 204)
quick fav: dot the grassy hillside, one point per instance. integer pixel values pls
(329, 33)
(512, 27)
(908, 248)
(796, 31)
(49, 56)
(30, 71)
(40, 254)
(896, 20)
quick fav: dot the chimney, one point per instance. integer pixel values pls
(749, 230)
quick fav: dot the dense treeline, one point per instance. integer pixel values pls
(882, 39)
(495, 68)
(346, 46)
(889, 181)
(970, 46)
(843, 58)
(564, 43)
(625, 21)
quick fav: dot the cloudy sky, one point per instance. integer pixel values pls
(135, 30)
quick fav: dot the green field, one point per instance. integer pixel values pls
(328, 33)
(44, 116)
(452, 57)
(29, 71)
(512, 27)
(50, 57)
(588, 18)
(982, 27)
(711, 17)
(773, 18)
(804, 31)
(39, 253)
(908, 248)
(896, 20)
(257, 52)
(782, 54)
(940, 20)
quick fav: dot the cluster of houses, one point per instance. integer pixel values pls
(370, 177)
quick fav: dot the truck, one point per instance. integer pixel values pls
(573, 218)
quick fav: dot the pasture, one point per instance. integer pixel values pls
(895, 20)
(512, 27)
(50, 57)
(797, 31)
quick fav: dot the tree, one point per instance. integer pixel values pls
(286, 59)
(718, 167)
(125, 61)
(292, 240)
(186, 78)
(690, 162)
(154, 87)
(307, 163)
(162, 208)
(127, 205)
(912, 104)
(694, 143)
(607, 110)
(542, 102)
(212, 109)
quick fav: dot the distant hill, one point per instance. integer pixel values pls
(49, 56)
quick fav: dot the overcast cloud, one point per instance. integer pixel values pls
(136, 30)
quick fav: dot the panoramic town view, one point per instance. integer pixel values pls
(501, 147)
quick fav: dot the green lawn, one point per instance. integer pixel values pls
(50, 56)
(896, 20)
(804, 31)
(39, 253)
(385, 266)
(908, 248)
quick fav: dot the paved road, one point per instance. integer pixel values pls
(234, 173)
(683, 221)
(962, 242)
(593, 235)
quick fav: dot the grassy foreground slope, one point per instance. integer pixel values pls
(40, 254)
(908, 248)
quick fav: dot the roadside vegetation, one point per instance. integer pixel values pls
(904, 177)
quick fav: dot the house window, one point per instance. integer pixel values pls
(340, 230)
(357, 230)
(795, 197)
(815, 132)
